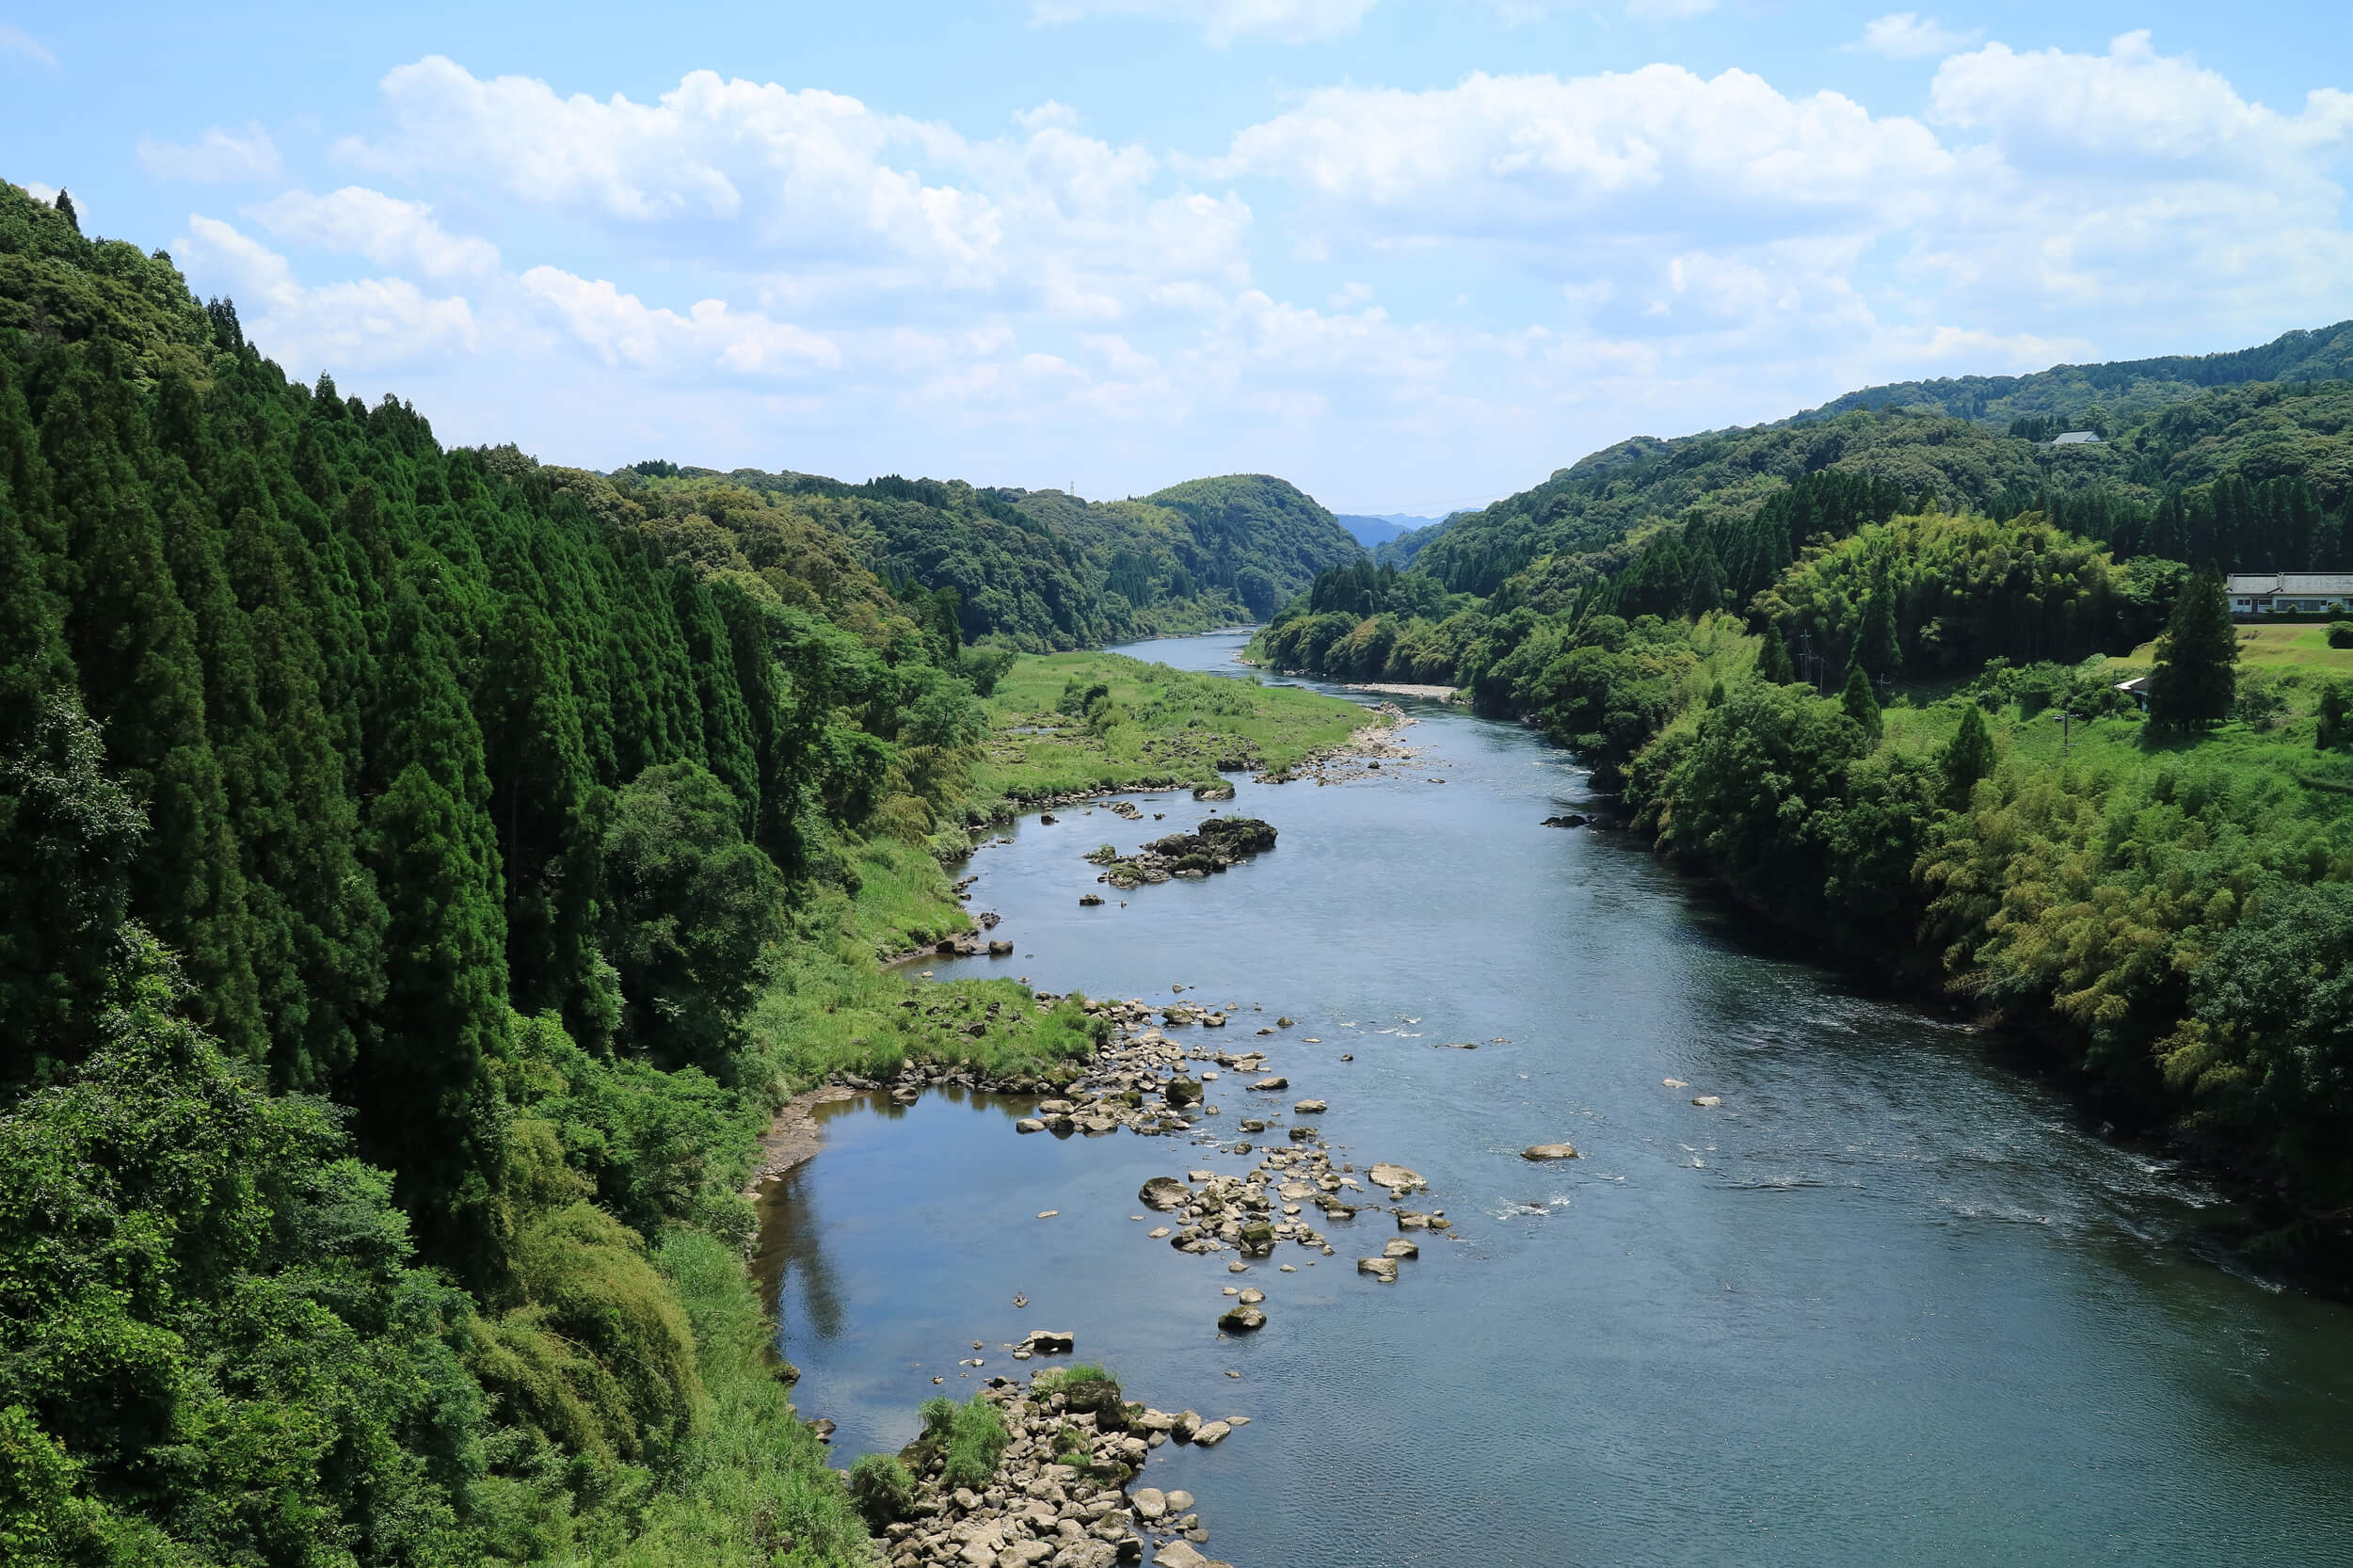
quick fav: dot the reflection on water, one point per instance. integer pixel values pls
(1888, 1301)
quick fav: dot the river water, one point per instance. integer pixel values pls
(1888, 1303)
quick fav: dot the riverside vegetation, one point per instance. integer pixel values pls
(1897, 724)
(422, 874)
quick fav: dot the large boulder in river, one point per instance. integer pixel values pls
(1382, 1269)
(1549, 1151)
(1047, 1341)
(1219, 791)
(1181, 1091)
(1244, 1318)
(1165, 1193)
(1396, 1178)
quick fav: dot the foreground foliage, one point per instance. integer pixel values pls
(422, 876)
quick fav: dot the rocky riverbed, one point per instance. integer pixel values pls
(1065, 1493)
(1143, 1080)
(1215, 845)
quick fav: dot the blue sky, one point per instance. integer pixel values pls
(1411, 254)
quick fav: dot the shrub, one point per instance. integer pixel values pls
(976, 1441)
(1088, 1389)
(2340, 634)
(881, 1488)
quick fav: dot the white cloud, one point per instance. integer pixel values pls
(1910, 36)
(835, 202)
(1224, 22)
(387, 231)
(622, 331)
(1668, 10)
(369, 323)
(2133, 108)
(1589, 165)
(218, 155)
(744, 272)
(16, 41)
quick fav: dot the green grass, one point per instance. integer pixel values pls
(751, 1486)
(2278, 646)
(1158, 726)
(2120, 749)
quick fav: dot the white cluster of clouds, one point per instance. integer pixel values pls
(1224, 22)
(216, 157)
(16, 41)
(1700, 248)
(1910, 36)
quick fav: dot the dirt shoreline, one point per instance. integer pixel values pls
(793, 1136)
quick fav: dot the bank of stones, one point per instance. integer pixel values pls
(1216, 844)
(1061, 1497)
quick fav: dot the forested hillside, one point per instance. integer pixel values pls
(1582, 523)
(2106, 396)
(421, 873)
(1033, 570)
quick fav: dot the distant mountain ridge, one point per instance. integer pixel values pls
(1371, 530)
(1046, 570)
(2122, 391)
(2273, 411)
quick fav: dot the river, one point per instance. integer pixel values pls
(1888, 1302)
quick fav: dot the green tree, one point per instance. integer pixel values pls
(2272, 1044)
(68, 836)
(420, 1084)
(1774, 663)
(2196, 676)
(213, 1346)
(2335, 729)
(1968, 757)
(691, 906)
(1860, 703)
(1875, 648)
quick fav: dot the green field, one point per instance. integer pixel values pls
(1052, 733)
(2273, 744)
(2298, 647)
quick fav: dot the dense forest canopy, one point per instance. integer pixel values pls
(395, 842)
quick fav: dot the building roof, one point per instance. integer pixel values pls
(2292, 585)
(2076, 437)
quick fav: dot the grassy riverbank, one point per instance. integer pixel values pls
(1065, 723)
(1059, 724)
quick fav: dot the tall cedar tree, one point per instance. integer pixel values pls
(1875, 648)
(1861, 704)
(1968, 757)
(2196, 677)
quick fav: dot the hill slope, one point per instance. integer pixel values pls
(2107, 395)
(2297, 433)
(1039, 569)
(1372, 530)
